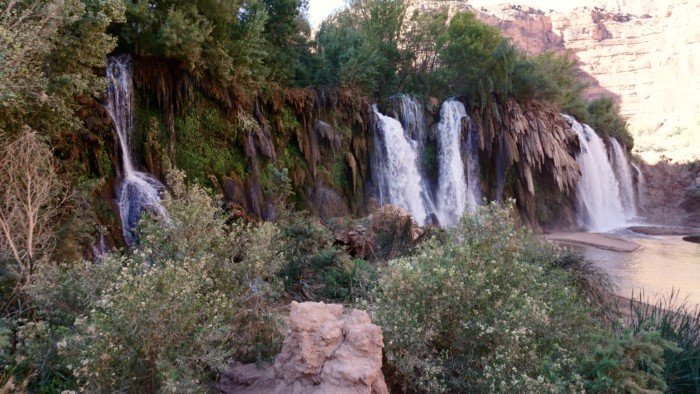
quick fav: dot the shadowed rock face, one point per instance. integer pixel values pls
(325, 351)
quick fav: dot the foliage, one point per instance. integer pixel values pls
(208, 145)
(484, 310)
(632, 363)
(310, 252)
(678, 323)
(49, 51)
(193, 297)
(605, 119)
(360, 47)
(247, 41)
(475, 59)
(553, 78)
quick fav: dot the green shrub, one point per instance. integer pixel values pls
(484, 310)
(631, 363)
(605, 119)
(309, 255)
(169, 315)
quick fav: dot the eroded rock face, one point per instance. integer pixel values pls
(325, 351)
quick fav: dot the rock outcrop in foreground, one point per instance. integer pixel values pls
(325, 351)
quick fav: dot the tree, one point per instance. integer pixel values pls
(30, 199)
(606, 120)
(361, 46)
(49, 50)
(475, 59)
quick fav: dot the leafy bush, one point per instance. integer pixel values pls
(605, 119)
(484, 310)
(167, 316)
(632, 363)
(316, 268)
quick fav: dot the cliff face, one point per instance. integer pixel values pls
(644, 53)
(648, 61)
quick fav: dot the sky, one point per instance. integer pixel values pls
(319, 9)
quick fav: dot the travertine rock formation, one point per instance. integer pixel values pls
(325, 352)
(646, 53)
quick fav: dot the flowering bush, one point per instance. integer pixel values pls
(483, 310)
(171, 314)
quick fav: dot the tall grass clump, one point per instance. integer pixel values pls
(677, 322)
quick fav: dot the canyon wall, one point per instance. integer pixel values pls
(646, 54)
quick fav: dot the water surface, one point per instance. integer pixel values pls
(663, 264)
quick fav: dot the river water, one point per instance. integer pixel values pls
(662, 265)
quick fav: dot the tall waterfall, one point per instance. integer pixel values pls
(598, 196)
(453, 193)
(397, 169)
(138, 191)
(622, 168)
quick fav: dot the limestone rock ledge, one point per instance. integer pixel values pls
(326, 351)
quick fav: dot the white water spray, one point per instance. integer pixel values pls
(598, 196)
(621, 165)
(138, 191)
(400, 180)
(453, 194)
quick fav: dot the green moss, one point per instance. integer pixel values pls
(207, 144)
(289, 121)
(341, 175)
(108, 170)
(430, 161)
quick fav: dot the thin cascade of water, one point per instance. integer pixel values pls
(598, 196)
(623, 172)
(454, 193)
(397, 169)
(411, 113)
(138, 191)
(473, 168)
(641, 186)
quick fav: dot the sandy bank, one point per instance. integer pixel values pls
(596, 240)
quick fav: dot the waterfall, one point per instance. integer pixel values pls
(598, 195)
(641, 186)
(473, 169)
(138, 191)
(623, 172)
(411, 113)
(397, 169)
(453, 193)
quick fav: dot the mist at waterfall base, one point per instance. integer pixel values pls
(398, 162)
(137, 191)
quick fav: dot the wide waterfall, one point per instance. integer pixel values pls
(399, 177)
(138, 191)
(598, 196)
(454, 193)
(621, 165)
